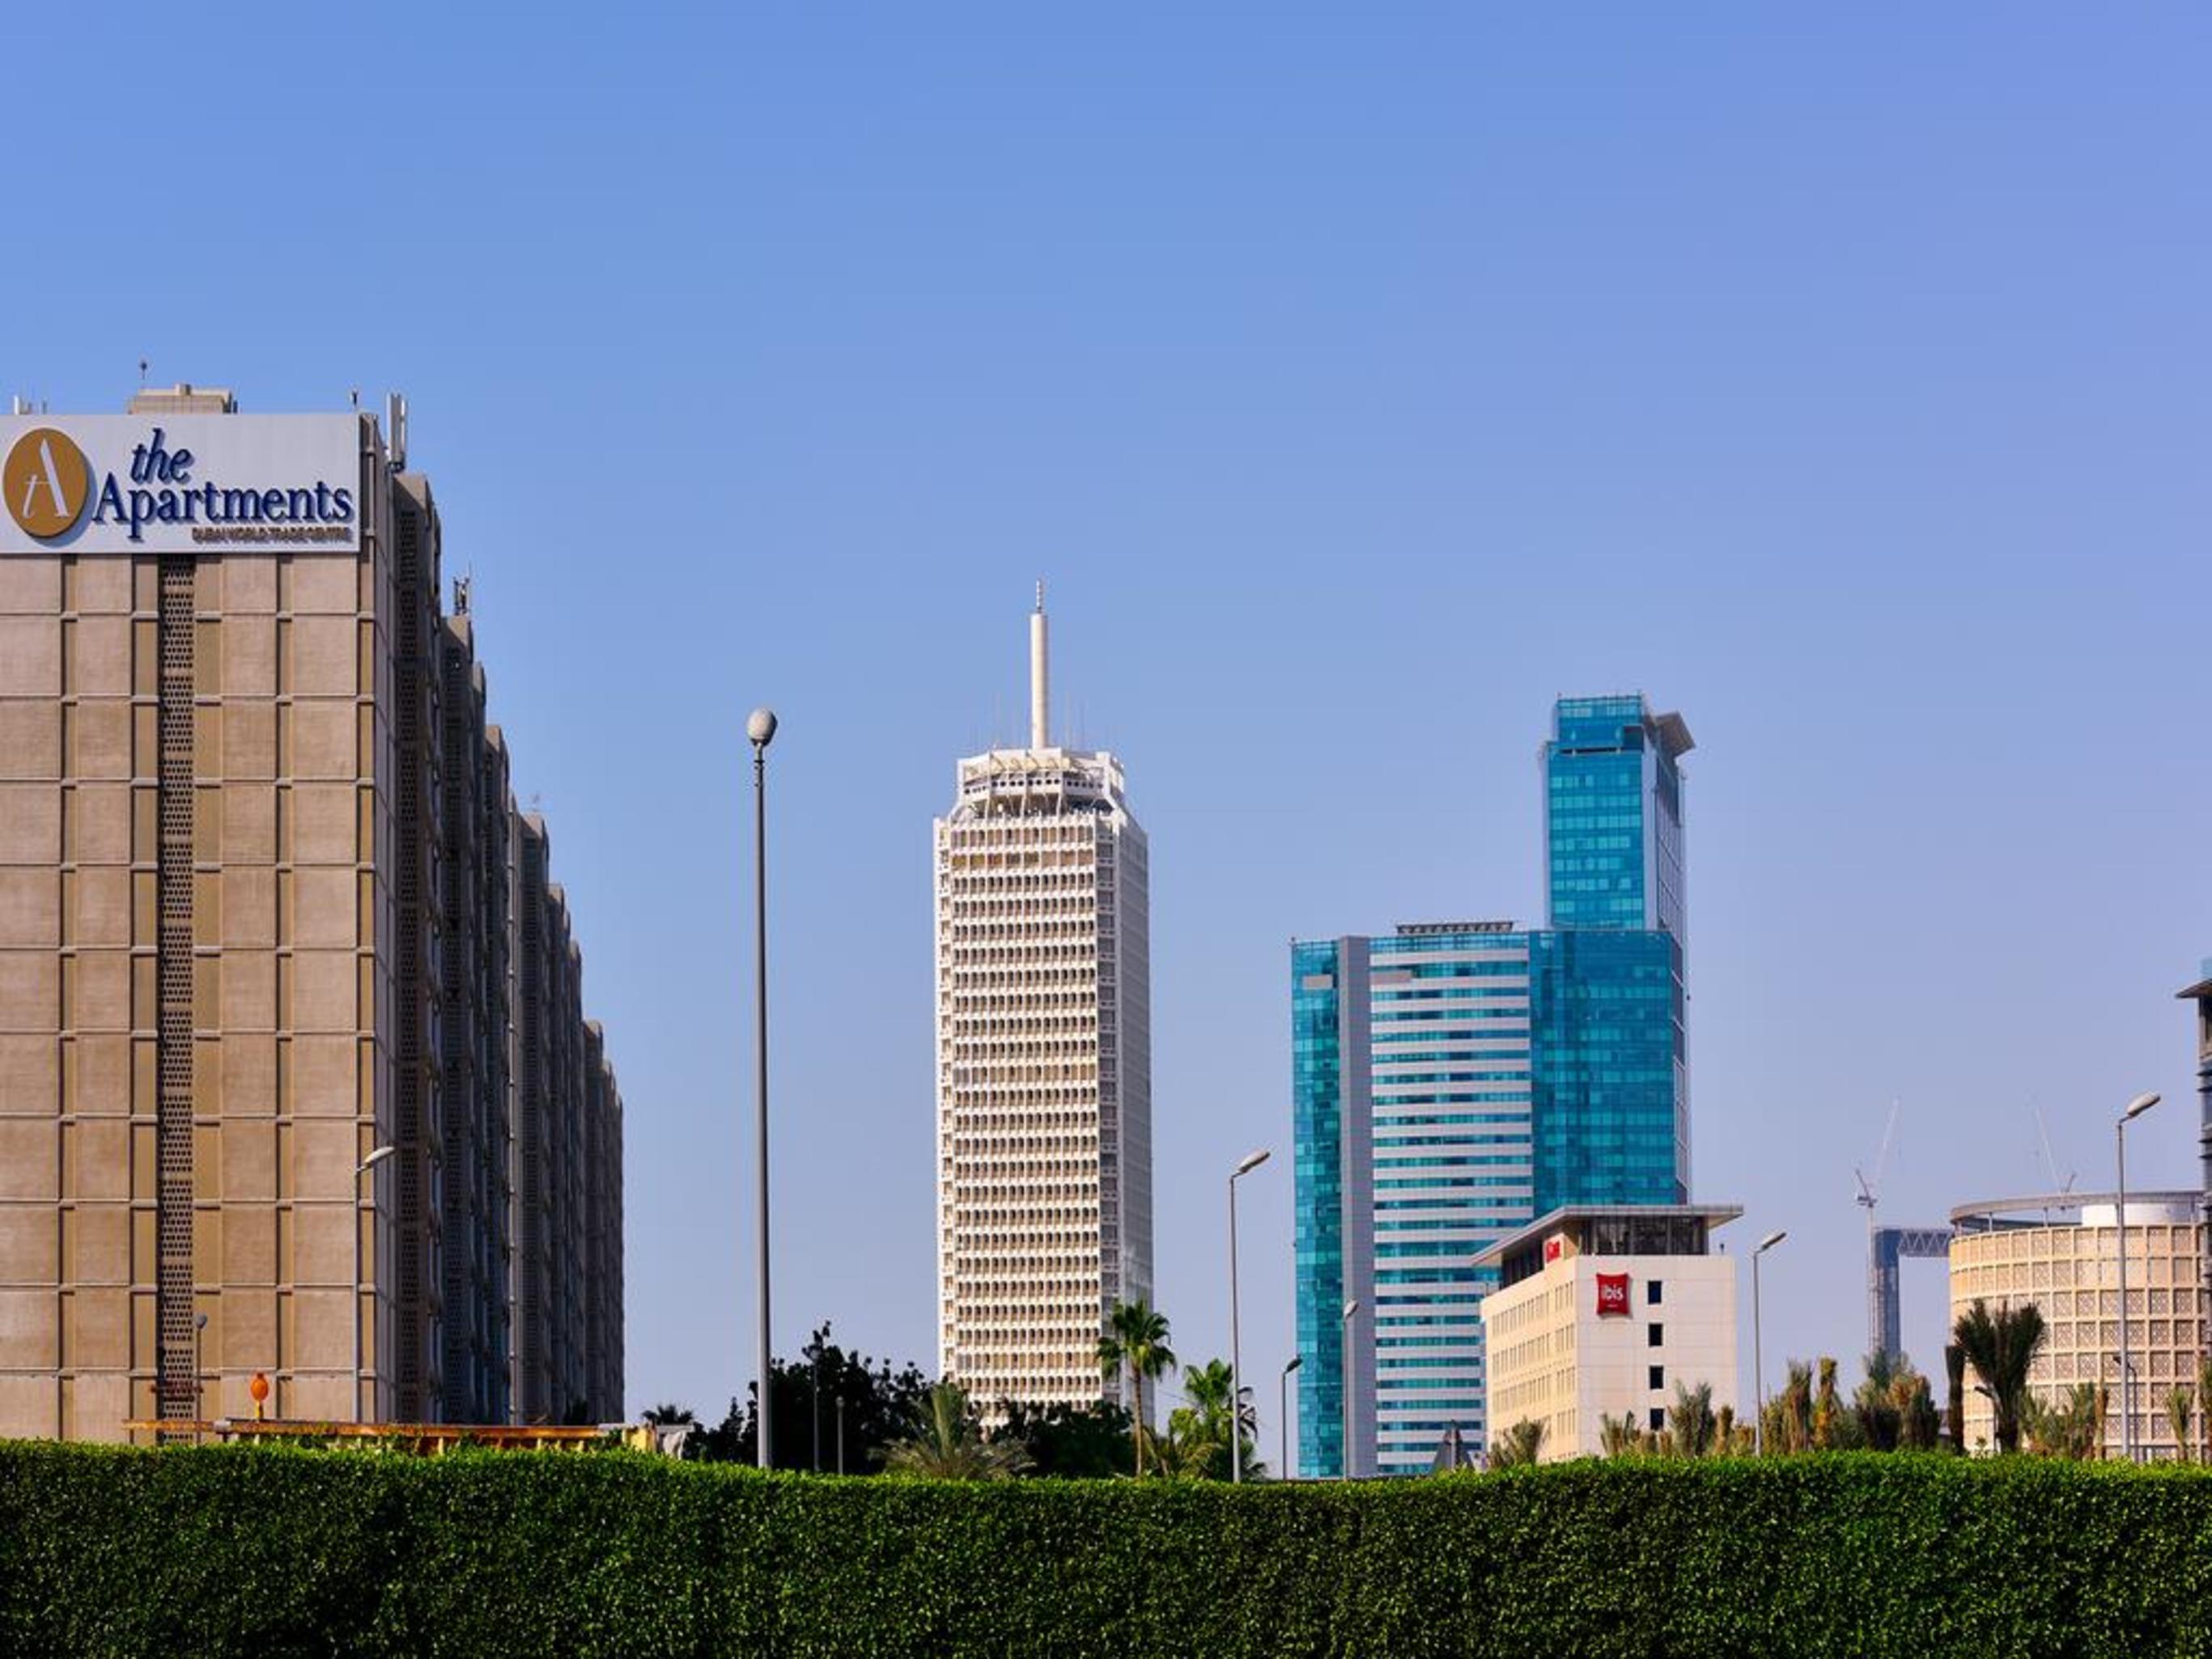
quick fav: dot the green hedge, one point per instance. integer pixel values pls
(248, 1551)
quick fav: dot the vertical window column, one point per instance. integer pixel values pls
(175, 1391)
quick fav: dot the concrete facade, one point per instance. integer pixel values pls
(1043, 1068)
(1602, 1313)
(256, 883)
(2062, 1252)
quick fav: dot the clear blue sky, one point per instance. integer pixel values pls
(1359, 379)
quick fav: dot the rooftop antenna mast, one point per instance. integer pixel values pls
(1040, 674)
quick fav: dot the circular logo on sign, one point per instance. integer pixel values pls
(45, 481)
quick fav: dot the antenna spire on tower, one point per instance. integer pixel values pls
(1040, 674)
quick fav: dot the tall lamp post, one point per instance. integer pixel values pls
(1350, 1308)
(760, 732)
(1758, 1358)
(1252, 1162)
(1283, 1408)
(2136, 1109)
(199, 1375)
(359, 1170)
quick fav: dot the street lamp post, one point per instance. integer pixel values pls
(816, 1402)
(1350, 1308)
(1252, 1162)
(359, 1170)
(199, 1375)
(2136, 1109)
(1758, 1358)
(841, 1434)
(760, 732)
(1283, 1408)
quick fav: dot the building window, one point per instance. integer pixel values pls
(1654, 1334)
(1658, 1377)
(1658, 1419)
(1652, 1288)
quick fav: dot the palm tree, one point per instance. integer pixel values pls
(948, 1445)
(1690, 1419)
(1198, 1430)
(1918, 1426)
(2087, 1404)
(2204, 1399)
(2178, 1401)
(2001, 1346)
(1954, 1372)
(1788, 1420)
(1136, 1336)
(1827, 1407)
(2072, 1429)
(1518, 1445)
(1882, 1422)
(1619, 1437)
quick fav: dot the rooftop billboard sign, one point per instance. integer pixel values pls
(179, 484)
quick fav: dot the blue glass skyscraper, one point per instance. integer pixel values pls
(1611, 1053)
(1608, 1068)
(1451, 1082)
(1333, 1180)
(1613, 815)
(1411, 1090)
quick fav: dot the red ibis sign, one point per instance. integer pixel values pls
(1612, 1296)
(1555, 1248)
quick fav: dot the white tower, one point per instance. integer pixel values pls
(1044, 1153)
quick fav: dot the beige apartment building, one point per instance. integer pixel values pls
(2062, 1252)
(294, 1074)
(1601, 1313)
(1044, 1171)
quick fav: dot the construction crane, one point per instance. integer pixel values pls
(2051, 1163)
(1869, 1195)
(1886, 1246)
(1870, 1191)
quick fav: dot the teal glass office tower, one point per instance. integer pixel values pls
(1451, 1082)
(1331, 1137)
(1613, 815)
(1412, 1098)
(1612, 1054)
(1608, 1067)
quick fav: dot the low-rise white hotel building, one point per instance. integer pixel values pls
(1600, 1312)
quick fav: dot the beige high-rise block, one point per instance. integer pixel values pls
(1043, 1067)
(258, 869)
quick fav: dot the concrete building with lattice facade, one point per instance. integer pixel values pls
(2062, 1252)
(260, 904)
(1044, 1163)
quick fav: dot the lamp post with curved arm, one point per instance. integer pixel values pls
(2136, 1109)
(360, 1170)
(1351, 1309)
(760, 732)
(1252, 1162)
(1758, 1366)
